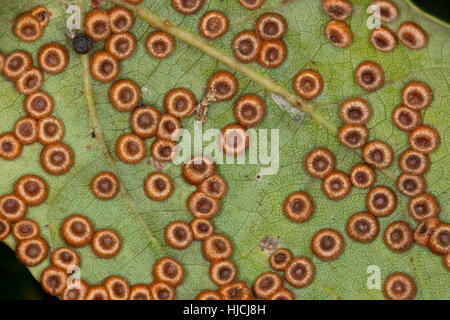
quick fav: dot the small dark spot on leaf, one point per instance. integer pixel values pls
(268, 244)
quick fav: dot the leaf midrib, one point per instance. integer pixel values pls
(101, 142)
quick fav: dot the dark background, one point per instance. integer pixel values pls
(15, 280)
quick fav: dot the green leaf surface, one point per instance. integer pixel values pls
(252, 208)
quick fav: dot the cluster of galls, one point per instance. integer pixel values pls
(111, 26)
(338, 32)
(29, 26)
(56, 157)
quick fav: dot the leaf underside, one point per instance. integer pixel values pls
(252, 209)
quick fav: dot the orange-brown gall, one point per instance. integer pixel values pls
(158, 186)
(117, 287)
(423, 207)
(337, 9)
(234, 139)
(97, 292)
(26, 130)
(124, 95)
(406, 119)
(163, 150)
(217, 247)
(424, 139)
(27, 28)
(53, 281)
(413, 162)
(16, 64)
(383, 39)
(308, 84)
(201, 228)
(140, 291)
(362, 176)
(439, 242)
(50, 130)
(222, 272)
(42, 15)
(424, 230)
(179, 102)
(353, 136)
(412, 36)
(272, 54)
(169, 128)
(159, 44)
(104, 66)
(381, 201)
(134, 2)
(417, 95)
(249, 110)
(356, 111)
(25, 229)
(187, 7)
(362, 227)
(198, 169)
(369, 76)
(96, 24)
(32, 189)
(213, 25)
(388, 11)
(246, 45)
(168, 270)
(298, 207)
(29, 82)
(202, 206)
(236, 290)
(57, 158)
(224, 84)
(77, 230)
(145, 122)
(65, 259)
(38, 105)
(327, 244)
(398, 236)
(32, 252)
(399, 286)
(178, 235)
(280, 259)
(411, 185)
(120, 19)
(12, 208)
(121, 45)
(5, 228)
(299, 272)
(105, 185)
(336, 185)
(377, 154)
(130, 148)
(267, 284)
(161, 291)
(214, 186)
(209, 295)
(106, 243)
(319, 163)
(53, 58)
(339, 34)
(251, 4)
(282, 294)
(76, 291)
(270, 26)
